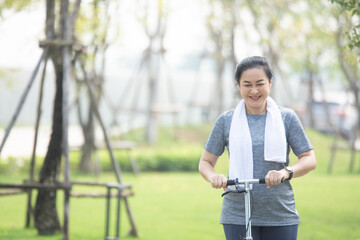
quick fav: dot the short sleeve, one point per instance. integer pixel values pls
(216, 140)
(297, 138)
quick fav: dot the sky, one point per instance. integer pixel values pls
(20, 32)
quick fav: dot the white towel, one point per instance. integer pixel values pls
(240, 144)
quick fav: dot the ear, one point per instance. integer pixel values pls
(238, 86)
(270, 81)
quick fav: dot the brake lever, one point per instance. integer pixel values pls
(233, 191)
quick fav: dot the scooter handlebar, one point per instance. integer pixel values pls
(231, 182)
(237, 181)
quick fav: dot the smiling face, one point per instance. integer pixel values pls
(254, 86)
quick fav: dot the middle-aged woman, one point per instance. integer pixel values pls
(258, 135)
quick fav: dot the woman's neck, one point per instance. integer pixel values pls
(256, 111)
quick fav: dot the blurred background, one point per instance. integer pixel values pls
(178, 58)
(161, 72)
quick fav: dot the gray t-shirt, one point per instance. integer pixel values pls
(270, 207)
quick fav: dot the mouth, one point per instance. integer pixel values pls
(255, 98)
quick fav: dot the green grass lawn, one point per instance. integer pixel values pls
(184, 206)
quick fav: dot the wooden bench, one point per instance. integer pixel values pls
(123, 191)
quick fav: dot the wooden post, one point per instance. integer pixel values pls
(102, 125)
(332, 154)
(153, 81)
(133, 162)
(137, 83)
(171, 93)
(353, 152)
(66, 50)
(133, 230)
(33, 157)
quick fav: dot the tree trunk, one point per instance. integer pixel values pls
(310, 102)
(219, 82)
(45, 214)
(96, 76)
(86, 165)
(217, 38)
(351, 73)
(151, 129)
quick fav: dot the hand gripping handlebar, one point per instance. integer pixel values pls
(243, 183)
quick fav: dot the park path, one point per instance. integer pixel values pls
(21, 139)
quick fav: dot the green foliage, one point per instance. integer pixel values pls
(308, 30)
(170, 153)
(355, 38)
(350, 5)
(177, 155)
(353, 7)
(169, 159)
(15, 5)
(13, 165)
(167, 155)
(160, 159)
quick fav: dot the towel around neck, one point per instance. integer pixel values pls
(240, 143)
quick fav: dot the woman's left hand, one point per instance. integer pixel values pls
(274, 177)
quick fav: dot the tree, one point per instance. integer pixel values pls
(221, 22)
(45, 214)
(95, 19)
(353, 7)
(152, 58)
(273, 37)
(351, 71)
(315, 42)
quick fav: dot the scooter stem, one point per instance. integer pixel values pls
(247, 211)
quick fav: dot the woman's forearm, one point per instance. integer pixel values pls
(207, 165)
(206, 169)
(305, 164)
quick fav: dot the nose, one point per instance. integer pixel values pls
(254, 90)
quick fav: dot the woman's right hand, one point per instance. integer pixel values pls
(218, 181)
(206, 168)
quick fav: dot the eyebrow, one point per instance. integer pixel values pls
(260, 80)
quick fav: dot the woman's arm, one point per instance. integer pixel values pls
(206, 169)
(306, 162)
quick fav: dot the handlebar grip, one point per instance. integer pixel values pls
(230, 182)
(262, 180)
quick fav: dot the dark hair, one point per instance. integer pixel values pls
(253, 62)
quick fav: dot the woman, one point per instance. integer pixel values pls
(258, 135)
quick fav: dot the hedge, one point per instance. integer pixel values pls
(164, 159)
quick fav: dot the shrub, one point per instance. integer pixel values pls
(168, 160)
